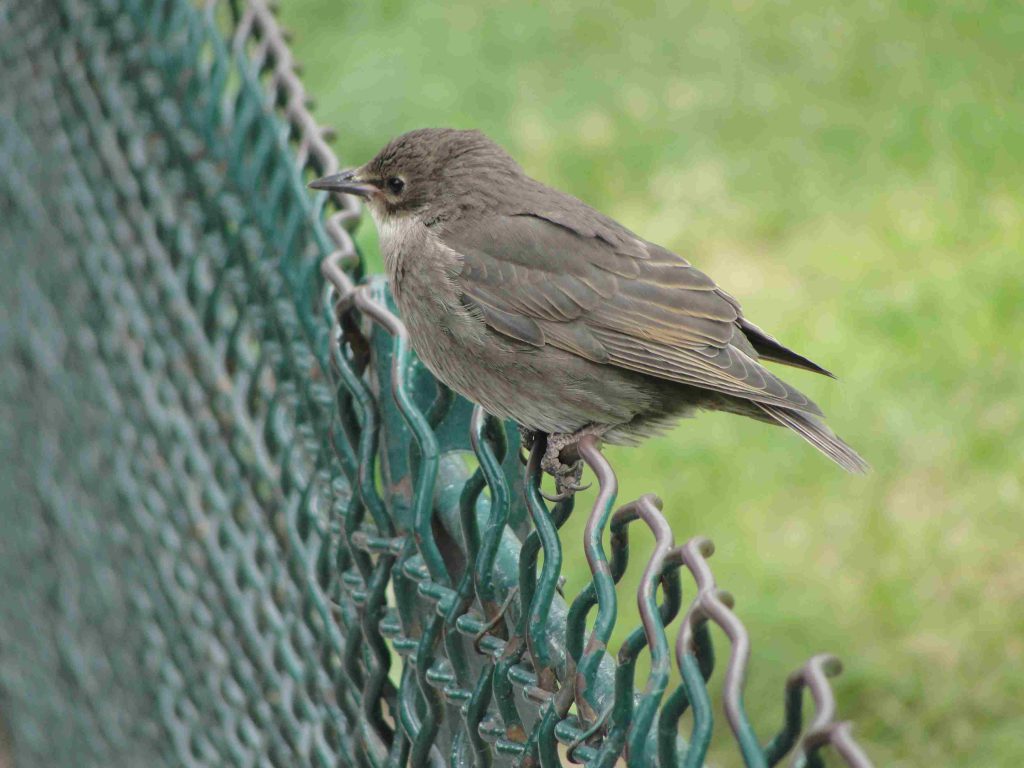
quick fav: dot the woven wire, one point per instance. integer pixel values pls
(239, 523)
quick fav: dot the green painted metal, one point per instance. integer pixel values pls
(242, 524)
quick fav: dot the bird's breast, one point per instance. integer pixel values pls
(421, 271)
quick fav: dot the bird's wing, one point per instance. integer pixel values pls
(618, 301)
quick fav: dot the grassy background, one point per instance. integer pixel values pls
(851, 171)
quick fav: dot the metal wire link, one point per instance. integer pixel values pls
(244, 525)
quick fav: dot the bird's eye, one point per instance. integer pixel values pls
(396, 185)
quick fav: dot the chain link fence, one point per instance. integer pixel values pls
(242, 525)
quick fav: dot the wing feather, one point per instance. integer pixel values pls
(626, 303)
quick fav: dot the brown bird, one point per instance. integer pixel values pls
(545, 311)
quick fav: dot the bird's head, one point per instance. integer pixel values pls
(430, 173)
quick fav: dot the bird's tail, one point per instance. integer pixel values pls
(815, 432)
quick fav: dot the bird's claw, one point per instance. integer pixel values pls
(554, 498)
(564, 490)
(567, 481)
(576, 487)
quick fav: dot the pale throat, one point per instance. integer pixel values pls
(396, 233)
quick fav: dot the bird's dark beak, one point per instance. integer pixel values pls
(346, 182)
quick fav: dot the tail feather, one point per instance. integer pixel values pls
(815, 432)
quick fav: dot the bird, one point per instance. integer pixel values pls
(543, 310)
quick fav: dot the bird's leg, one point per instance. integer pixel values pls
(567, 473)
(527, 437)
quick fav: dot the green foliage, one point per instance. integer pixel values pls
(851, 172)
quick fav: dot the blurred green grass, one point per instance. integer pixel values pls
(851, 171)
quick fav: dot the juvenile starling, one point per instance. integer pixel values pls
(541, 309)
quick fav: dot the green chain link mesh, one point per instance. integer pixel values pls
(239, 523)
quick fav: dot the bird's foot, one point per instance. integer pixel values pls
(567, 481)
(567, 474)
